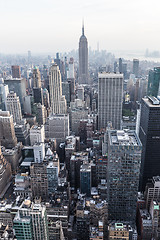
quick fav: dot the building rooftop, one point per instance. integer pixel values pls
(35, 127)
(120, 226)
(124, 137)
(85, 168)
(109, 75)
(152, 102)
(70, 142)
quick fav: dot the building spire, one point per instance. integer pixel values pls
(83, 27)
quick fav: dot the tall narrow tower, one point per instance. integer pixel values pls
(36, 78)
(83, 58)
(14, 106)
(58, 101)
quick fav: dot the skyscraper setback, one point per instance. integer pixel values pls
(58, 101)
(83, 59)
(14, 106)
(110, 97)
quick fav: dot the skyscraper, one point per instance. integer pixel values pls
(58, 101)
(14, 107)
(110, 97)
(61, 66)
(136, 67)
(153, 82)
(71, 78)
(7, 133)
(124, 158)
(36, 78)
(37, 89)
(83, 59)
(120, 65)
(3, 95)
(149, 134)
(16, 73)
(18, 85)
(85, 179)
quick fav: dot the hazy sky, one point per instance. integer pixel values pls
(55, 25)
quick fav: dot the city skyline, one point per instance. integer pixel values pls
(41, 26)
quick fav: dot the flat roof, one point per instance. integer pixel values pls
(109, 75)
(151, 103)
(124, 137)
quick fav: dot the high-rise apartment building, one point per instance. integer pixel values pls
(149, 134)
(7, 133)
(14, 107)
(58, 101)
(136, 67)
(124, 158)
(83, 59)
(16, 73)
(110, 98)
(154, 81)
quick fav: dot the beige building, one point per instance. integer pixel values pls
(14, 107)
(5, 173)
(7, 133)
(36, 78)
(121, 231)
(57, 100)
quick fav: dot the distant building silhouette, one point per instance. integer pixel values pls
(16, 73)
(136, 67)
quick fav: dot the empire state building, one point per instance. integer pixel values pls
(83, 59)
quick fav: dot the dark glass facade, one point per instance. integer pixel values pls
(149, 134)
(153, 81)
